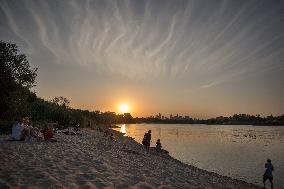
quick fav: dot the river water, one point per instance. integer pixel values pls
(231, 150)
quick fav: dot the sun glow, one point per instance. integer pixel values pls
(124, 108)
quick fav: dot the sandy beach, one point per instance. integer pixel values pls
(91, 160)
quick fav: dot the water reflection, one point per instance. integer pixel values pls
(123, 129)
(236, 151)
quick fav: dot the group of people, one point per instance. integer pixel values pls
(147, 140)
(23, 130)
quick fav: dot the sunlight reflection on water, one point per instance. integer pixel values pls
(123, 129)
(231, 150)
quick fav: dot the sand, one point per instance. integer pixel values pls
(91, 160)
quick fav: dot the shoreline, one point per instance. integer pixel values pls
(91, 160)
(191, 166)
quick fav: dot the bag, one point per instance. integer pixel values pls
(48, 134)
(144, 140)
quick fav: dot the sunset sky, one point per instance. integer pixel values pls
(197, 58)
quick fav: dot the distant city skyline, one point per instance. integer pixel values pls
(199, 58)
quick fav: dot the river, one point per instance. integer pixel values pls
(231, 150)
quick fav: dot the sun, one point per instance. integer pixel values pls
(124, 108)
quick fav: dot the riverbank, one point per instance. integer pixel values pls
(91, 160)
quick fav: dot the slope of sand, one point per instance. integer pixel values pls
(93, 161)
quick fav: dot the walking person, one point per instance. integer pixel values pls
(147, 140)
(268, 173)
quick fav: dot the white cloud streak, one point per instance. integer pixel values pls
(153, 39)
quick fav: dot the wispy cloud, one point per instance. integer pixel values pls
(208, 85)
(153, 39)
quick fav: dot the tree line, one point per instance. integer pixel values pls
(236, 119)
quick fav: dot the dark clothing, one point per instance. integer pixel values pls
(158, 146)
(269, 168)
(268, 173)
(147, 139)
(265, 177)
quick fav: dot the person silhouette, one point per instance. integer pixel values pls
(147, 140)
(158, 146)
(268, 173)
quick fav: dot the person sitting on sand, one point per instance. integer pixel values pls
(34, 131)
(19, 132)
(158, 146)
(268, 173)
(146, 140)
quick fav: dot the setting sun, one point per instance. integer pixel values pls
(123, 108)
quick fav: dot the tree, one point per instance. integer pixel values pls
(61, 101)
(16, 66)
(16, 79)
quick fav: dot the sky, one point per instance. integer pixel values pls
(197, 58)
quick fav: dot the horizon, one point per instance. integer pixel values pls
(201, 59)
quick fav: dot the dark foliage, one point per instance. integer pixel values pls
(237, 119)
(15, 66)
(16, 78)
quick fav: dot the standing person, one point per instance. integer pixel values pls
(268, 173)
(147, 140)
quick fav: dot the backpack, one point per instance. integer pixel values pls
(144, 139)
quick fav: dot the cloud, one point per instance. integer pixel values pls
(152, 39)
(208, 85)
